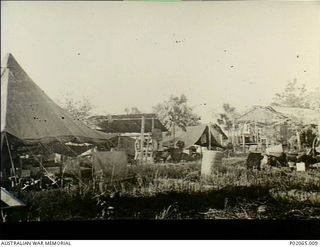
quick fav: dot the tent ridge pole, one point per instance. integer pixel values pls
(11, 161)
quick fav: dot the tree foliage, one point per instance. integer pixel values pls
(314, 99)
(176, 112)
(292, 96)
(132, 110)
(228, 117)
(78, 109)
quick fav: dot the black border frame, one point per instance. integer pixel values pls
(163, 230)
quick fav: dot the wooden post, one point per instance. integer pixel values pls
(152, 124)
(152, 141)
(232, 133)
(319, 127)
(147, 148)
(298, 140)
(3, 216)
(2, 140)
(255, 132)
(93, 174)
(266, 142)
(20, 163)
(174, 135)
(243, 143)
(243, 140)
(142, 138)
(209, 131)
(80, 181)
(11, 161)
(234, 140)
(119, 140)
(41, 170)
(61, 174)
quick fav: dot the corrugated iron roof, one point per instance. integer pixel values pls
(262, 114)
(125, 123)
(303, 115)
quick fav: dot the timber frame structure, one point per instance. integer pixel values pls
(145, 129)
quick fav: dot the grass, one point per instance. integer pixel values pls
(152, 180)
(173, 191)
(171, 212)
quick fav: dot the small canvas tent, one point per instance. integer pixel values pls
(197, 135)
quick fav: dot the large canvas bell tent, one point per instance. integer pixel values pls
(29, 115)
(31, 123)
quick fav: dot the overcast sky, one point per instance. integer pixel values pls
(122, 54)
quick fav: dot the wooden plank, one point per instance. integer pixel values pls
(25, 173)
(11, 161)
(174, 134)
(152, 124)
(148, 116)
(243, 141)
(298, 140)
(209, 131)
(142, 137)
(10, 199)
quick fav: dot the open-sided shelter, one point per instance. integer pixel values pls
(270, 125)
(130, 130)
(304, 116)
(126, 123)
